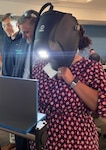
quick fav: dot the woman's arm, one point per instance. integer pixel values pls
(88, 95)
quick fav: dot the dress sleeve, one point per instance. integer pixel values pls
(100, 82)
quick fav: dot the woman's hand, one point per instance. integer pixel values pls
(65, 74)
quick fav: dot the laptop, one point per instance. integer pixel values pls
(19, 104)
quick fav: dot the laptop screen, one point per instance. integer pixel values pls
(18, 103)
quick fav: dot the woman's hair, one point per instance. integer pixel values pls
(84, 41)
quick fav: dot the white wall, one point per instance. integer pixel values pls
(88, 16)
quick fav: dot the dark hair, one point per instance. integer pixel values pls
(84, 41)
(95, 57)
(9, 15)
(29, 15)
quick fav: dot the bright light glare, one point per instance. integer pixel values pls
(43, 54)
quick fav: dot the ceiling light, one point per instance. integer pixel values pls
(80, 1)
(76, 1)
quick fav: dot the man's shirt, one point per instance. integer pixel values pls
(9, 53)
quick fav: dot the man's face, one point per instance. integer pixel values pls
(27, 31)
(10, 27)
(92, 52)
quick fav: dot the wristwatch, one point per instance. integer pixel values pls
(74, 82)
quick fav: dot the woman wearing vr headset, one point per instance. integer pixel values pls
(69, 98)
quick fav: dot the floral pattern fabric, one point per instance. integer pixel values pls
(69, 121)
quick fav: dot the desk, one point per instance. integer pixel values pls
(40, 135)
(29, 135)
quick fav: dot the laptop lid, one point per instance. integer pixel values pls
(18, 103)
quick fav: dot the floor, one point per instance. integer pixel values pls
(102, 143)
(4, 140)
(4, 136)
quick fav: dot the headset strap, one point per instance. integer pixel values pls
(37, 20)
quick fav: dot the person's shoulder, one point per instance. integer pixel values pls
(6, 40)
(23, 40)
(86, 62)
(24, 43)
(19, 35)
(95, 57)
(5, 37)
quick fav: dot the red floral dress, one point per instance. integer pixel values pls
(69, 120)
